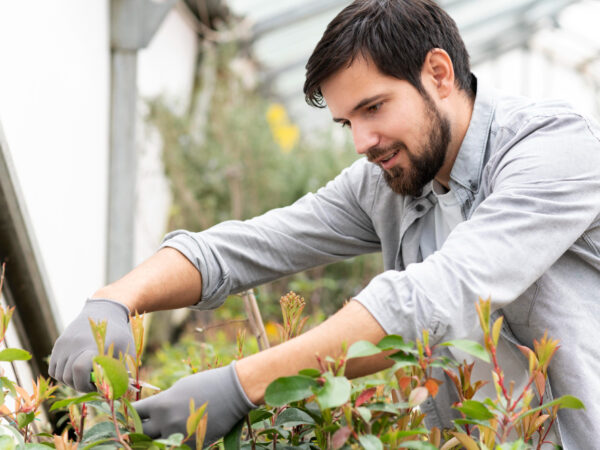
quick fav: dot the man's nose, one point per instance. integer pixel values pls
(364, 138)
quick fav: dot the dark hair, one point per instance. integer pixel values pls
(395, 34)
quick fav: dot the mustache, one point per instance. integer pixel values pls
(377, 152)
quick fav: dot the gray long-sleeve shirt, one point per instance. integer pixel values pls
(527, 176)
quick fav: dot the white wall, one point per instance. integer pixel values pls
(54, 91)
(166, 67)
(54, 108)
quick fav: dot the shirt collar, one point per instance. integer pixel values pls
(468, 165)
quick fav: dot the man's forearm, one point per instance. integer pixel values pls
(352, 323)
(167, 280)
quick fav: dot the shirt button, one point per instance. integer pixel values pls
(419, 207)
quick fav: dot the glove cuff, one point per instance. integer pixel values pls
(94, 301)
(239, 387)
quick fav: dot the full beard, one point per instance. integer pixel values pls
(425, 163)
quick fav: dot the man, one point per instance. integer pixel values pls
(465, 192)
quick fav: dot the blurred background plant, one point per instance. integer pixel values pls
(235, 155)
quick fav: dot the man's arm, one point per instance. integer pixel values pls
(167, 280)
(232, 391)
(350, 324)
(330, 225)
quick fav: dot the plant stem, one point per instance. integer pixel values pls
(116, 424)
(250, 433)
(531, 378)
(138, 386)
(543, 439)
(81, 422)
(498, 371)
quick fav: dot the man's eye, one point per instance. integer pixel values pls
(374, 108)
(346, 124)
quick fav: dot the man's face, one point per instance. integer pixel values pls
(392, 123)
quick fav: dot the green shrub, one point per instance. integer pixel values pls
(314, 409)
(323, 409)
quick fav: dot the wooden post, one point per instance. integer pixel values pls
(256, 323)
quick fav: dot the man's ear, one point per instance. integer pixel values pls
(437, 74)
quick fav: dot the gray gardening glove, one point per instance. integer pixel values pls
(166, 413)
(74, 350)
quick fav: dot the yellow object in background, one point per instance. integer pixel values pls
(272, 331)
(285, 133)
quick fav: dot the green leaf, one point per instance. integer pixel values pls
(233, 438)
(335, 392)
(75, 400)
(14, 354)
(418, 445)
(289, 389)
(135, 438)
(443, 362)
(480, 423)
(393, 408)
(404, 360)
(313, 373)
(173, 440)
(292, 417)
(517, 445)
(566, 401)
(394, 342)
(35, 446)
(47, 435)
(24, 419)
(102, 430)
(10, 385)
(115, 373)
(137, 421)
(274, 431)
(361, 349)
(99, 444)
(365, 413)
(370, 442)
(470, 347)
(475, 410)
(313, 409)
(258, 415)
(100, 406)
(415, 432)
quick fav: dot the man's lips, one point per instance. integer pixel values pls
(386, 157)
(388, 160)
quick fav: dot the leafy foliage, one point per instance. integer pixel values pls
(318, 408)
(323, 409)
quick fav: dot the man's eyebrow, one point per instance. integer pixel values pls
(363, 102)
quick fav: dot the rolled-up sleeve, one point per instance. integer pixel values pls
(543, 194)
(320, 228)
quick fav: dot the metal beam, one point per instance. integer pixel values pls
(514, 34)
(26, 284)
(133, 23)
(293, 15)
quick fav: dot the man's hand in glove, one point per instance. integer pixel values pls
(166, 413)
(74, 351)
